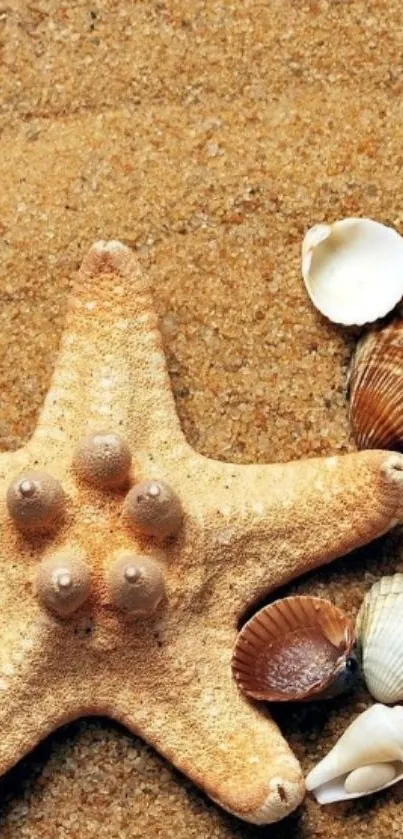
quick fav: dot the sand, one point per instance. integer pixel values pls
(209, 136)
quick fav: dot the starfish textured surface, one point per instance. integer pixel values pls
(243, 531)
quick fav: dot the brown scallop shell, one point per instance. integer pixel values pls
(296, 649)
(376, 389)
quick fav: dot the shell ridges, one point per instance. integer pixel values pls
(379, 630)
(294, 649)
(376, 389)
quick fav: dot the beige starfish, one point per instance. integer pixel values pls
(72, 641)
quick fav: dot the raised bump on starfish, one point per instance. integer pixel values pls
(35, 501)
(103, 459)
(152, 508)
(135, 583)
(246, 530)
(63, 582)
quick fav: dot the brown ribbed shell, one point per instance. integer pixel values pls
(295, 649)
(376, 389)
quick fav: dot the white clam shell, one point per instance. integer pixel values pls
(374, 738)
(353, 269)
(379, 630)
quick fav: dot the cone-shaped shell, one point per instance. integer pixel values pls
(353, 269)
(379, 631)
(295, 649)
(376, 389)
(374, 738)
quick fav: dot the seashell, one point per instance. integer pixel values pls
(295, 649)
(368, 757)
(379, 630)
(376, 389)
(353, 269)
(370, 778)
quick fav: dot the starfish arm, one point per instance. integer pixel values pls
(277, 522)
(111, 372)
(36, 695)
(200, 722)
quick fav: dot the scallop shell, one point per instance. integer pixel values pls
(295, 649)
(376, 389)
(353, 269)
(367, 757)
(379, 631)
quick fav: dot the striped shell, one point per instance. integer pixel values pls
(379, 630)
(295, 649)
(376, 389)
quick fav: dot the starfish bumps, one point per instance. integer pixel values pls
(127, 558)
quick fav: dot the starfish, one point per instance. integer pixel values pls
(127, 559)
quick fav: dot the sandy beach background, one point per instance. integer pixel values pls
(208, 135)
